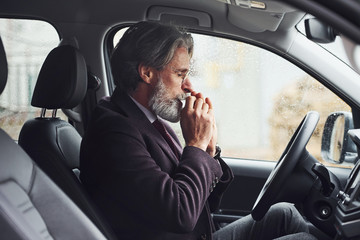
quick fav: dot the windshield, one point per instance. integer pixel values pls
(342, 48)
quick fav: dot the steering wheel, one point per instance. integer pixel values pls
(285, 166)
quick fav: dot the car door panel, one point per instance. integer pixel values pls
(249, 178)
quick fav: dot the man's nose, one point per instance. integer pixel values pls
(187, 86)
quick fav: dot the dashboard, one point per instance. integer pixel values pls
(347, 215)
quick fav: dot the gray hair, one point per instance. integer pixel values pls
(149, 43)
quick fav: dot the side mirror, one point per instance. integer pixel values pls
(336, 145)
(318, 31)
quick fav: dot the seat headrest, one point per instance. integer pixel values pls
(3, 67)
(62, 80)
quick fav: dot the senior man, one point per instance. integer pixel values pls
(133, 165)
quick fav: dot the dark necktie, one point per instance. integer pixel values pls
(161, 128)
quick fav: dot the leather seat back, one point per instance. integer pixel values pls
(32, 206)
(53, 143)
(62, 83)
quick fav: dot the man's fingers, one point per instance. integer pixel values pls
(205, 107)
(200, 95)
(207, 100)
(197, 94)
(198, 104)
(189, 103)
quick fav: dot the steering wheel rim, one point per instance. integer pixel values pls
(285, 165)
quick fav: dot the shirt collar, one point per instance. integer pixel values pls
(151, 116)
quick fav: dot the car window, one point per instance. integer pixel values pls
(27, 43)
(259, 97)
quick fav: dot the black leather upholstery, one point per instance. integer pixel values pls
(3, 67)
(31, 205)
(62, 80)
(52, 143)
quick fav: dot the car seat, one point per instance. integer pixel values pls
(53, 143)
(32, 206)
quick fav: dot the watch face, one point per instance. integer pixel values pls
(218, 149)
(217, 153)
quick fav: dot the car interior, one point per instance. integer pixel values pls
(296, 142)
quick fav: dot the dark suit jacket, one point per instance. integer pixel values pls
(137, 182)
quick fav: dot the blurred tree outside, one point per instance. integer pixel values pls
(292, 104)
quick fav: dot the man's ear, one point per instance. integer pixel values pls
(146, 73)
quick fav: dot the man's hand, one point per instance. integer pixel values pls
(211, 149)
(198, 123)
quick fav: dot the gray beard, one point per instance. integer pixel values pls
(163, 106)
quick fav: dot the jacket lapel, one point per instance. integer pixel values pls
(127, 106)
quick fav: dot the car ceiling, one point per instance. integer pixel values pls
(92, 11)
(224, 18)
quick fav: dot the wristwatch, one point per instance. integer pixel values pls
(217, 152)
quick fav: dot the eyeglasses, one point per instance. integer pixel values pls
(183, 74)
